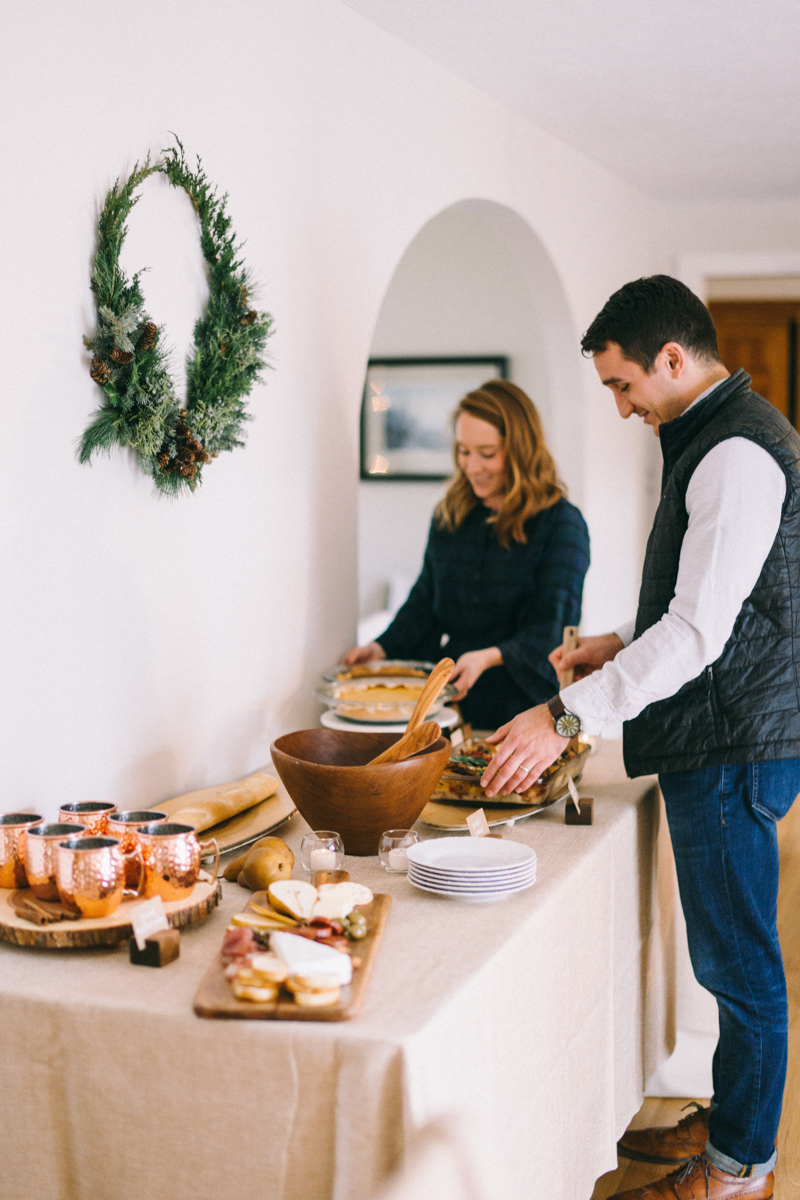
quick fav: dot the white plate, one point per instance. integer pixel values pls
(470, 885)
(471, 896)
(470, 854)
(500, 873)
(469, 881)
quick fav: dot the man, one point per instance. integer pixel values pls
(707, 683)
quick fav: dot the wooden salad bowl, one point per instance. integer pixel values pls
(325, 772)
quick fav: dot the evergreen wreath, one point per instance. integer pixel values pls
(130, 364)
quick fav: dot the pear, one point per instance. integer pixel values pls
(236, 866)
(267, 864)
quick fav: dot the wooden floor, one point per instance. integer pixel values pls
(668, 1111)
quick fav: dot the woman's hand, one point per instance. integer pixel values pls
(470, 667)
(362, 654)
(590, 655)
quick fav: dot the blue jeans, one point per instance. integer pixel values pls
(722, 824)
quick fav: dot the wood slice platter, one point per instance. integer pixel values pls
(99, 931)
(215, 998)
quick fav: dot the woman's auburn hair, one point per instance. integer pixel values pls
(531, 481)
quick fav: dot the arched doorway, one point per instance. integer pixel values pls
(475, 281)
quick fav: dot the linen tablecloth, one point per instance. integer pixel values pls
(536, 1018)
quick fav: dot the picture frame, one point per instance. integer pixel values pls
(407, 409)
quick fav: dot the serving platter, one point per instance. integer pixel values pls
(99, 931)
(452, 814)
(215, 998)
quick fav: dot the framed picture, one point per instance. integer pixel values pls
(407, 412)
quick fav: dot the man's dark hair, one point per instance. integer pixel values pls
(646, 314)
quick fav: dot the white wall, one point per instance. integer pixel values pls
(150, 646)
(457, 291)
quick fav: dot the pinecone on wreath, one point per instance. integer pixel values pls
(148, 335)
(250, 318)
(100, 371)
(121, 356)
(163, 461)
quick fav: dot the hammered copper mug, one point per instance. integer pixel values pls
(91, 875)
(12, 848)
(172, 854)
(125, 826)
(40, 854)
(92, 814)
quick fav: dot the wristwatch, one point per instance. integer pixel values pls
(566, 723)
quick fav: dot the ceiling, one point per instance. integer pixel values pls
(685, 99)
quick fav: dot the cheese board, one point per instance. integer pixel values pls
(215, 998)
(99, 931)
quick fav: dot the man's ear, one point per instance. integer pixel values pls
(673, 357)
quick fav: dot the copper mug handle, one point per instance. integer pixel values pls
(203, 847)
(139, 889)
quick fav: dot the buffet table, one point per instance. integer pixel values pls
(536, 1018)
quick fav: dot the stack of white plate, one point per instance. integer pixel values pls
(471, 868)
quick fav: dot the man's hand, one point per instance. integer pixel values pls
(362, 654)
(529, 745)
(470, 667)
(590, 655)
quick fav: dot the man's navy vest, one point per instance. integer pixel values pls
(745, 707)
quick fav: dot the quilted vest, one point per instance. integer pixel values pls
(745, 707)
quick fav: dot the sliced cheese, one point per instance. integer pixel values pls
(304, 957)
(335, 901)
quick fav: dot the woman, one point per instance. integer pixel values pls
(504, 565)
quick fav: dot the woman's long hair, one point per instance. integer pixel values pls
(531, 481)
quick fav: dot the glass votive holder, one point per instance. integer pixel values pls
(393, 849)
(322, 850)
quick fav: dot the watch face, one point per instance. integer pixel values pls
(568, 725)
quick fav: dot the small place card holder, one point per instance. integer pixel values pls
(579, 810)
(154, 943)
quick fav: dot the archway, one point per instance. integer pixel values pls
(474, 281)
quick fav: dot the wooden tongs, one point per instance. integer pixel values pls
(418, 735)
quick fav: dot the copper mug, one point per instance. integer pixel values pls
(12, 848)
(125, 826)
(91, 874)
(41, 852)
(92, 814)
(172, 854)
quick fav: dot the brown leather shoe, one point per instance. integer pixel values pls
(699, 1180)
(668, 1145)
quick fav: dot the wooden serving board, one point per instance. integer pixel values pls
(100, 931)
(452, 814)
(215, 998)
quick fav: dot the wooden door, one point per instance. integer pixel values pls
(761, 336)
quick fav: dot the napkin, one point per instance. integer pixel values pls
(210, 805)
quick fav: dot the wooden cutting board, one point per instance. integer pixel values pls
(215, 998)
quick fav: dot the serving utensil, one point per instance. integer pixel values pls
(569, 643)
(409, 744)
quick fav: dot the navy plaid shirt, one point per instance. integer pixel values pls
(481, 594)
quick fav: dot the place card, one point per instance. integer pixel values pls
(573, 791)
(148, 916)
(477, 823)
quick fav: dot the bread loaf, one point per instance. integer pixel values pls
(209, 806)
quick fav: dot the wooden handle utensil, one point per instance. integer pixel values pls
(409, 744)
(570, 642)
(433, 685)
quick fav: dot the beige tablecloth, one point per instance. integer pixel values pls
(536, 1019)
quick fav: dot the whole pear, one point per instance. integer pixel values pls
(267, 864)
(236, 866)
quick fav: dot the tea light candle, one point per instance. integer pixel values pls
(398, 859)
(322, 859)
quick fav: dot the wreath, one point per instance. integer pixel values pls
(130, 363)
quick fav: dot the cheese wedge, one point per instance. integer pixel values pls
(307, 958)
(335, 901)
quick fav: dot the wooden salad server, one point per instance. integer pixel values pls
(409, 744)
(433, 685)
